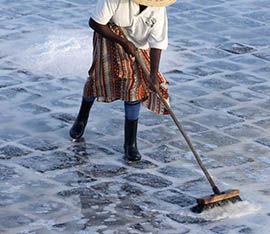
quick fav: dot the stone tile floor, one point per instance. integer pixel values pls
(218, 68)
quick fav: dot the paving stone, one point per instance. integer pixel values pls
(34, 108)
(216, 84)
(43, 125)
(263, 55)
(241, 96)
(178, 172)
(64, 117)
(218, 120)
(244, 79)
(10, 151)
(265, 123)
(16, 220)
(187, 219)
(157, 135)
(8, 81)
(188, 91)
(40, 143)
(248, 60)
(148, 179)
(212, 53)
(185, 109)
(179, 76)
(42, 208)
(191, 127)
(12, 134)
(264, 141)
(261, 15)
(7, 199)
(165, 154)
(216, 103)
(72, 100)
(264, 89)
(7, 173)
(120, 190)
(236, 48)
(104, 170)
(265, 104)
(53, 161)
(210, 26)
(142, 164)
(244, 131)
(214, 138)
(175, 197)
(203, 70)
(223, 65)
(74, 178)
(249, 112)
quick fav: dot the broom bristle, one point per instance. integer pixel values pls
(202, 207)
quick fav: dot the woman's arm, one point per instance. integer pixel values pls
(155, 55)
(106, 32)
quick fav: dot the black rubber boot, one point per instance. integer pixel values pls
(130, 146)
(80, 123)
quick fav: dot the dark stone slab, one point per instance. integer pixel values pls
(203, 70)
(118, 189)
(218, 120)
(157, 135)
(249, 112)
(104, 170)
(236, 48)
(165, 154)
(43, 125)
(244, 131)
(241, 96)
(42, 208)
(33, 108)
(148, 179)
(223, 65)
(187, 91)
(185, 109)
(175, 197)
(7, 199)
(265, 123)
(12, 134)
(7, 173)
(8, 81)
(151, 119)
(64, 117)
(215, 138)
(179, 76)
(243, 78)
(264, 89)
(46, 87)
(264, 141)
(216, 84)
(85, 149)
(74, 178)
(53, 161)
(216, 103)
(187, 219)
(178, 172)
(14, 220)
(10, 151)
(142, 164)
(263, 55)
(40, 143)
(212, 53)
(72, 100)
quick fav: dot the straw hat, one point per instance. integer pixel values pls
(155, 3)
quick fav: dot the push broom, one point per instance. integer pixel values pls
(218, 198)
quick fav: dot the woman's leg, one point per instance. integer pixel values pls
(80, 123)
(132, 111)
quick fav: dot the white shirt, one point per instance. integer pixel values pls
(146, 29)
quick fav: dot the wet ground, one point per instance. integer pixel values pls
(218, 68)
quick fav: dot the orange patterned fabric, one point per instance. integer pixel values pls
(114, 75)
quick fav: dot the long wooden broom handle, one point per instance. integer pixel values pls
(179, 126)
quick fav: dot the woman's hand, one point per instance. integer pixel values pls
(129, 47)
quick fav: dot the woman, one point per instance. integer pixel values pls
(121, 28)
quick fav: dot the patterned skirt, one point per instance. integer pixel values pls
(114, 75)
